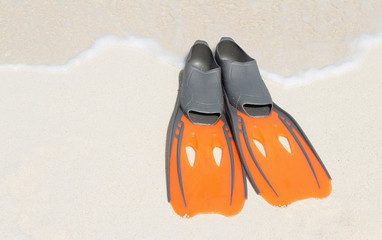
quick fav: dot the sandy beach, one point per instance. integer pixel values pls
(82, 148)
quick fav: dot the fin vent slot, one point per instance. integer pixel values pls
(217, 155)
(190, 155)
(284, 141)
(260, 146)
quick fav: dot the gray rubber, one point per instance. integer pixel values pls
(244, 86)
(201, 99)
(201, 96)
(245, 91)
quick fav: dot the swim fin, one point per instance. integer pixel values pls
(203, 169)
(279, 160)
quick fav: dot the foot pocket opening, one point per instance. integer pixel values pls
(203, 118)
(255, 110)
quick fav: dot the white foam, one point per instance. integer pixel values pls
(358, 49)
(144, 44)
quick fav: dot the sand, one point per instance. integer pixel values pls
(82, 154)
(82, 145)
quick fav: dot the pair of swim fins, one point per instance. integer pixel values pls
(224, 128)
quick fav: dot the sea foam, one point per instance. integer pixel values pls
(144, 44)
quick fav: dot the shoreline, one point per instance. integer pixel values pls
(362, 46)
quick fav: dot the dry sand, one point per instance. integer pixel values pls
(82, 154)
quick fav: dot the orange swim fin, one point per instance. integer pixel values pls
(279, 160)
(203, 169)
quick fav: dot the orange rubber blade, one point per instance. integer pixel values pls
(288, 173)
(209, 185)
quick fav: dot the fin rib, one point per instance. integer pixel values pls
(229, 145)
(244, 181)
(169, 142)
(168, 156)
(178, 151)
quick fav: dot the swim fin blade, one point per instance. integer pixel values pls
(203, 169)
(279, 160)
